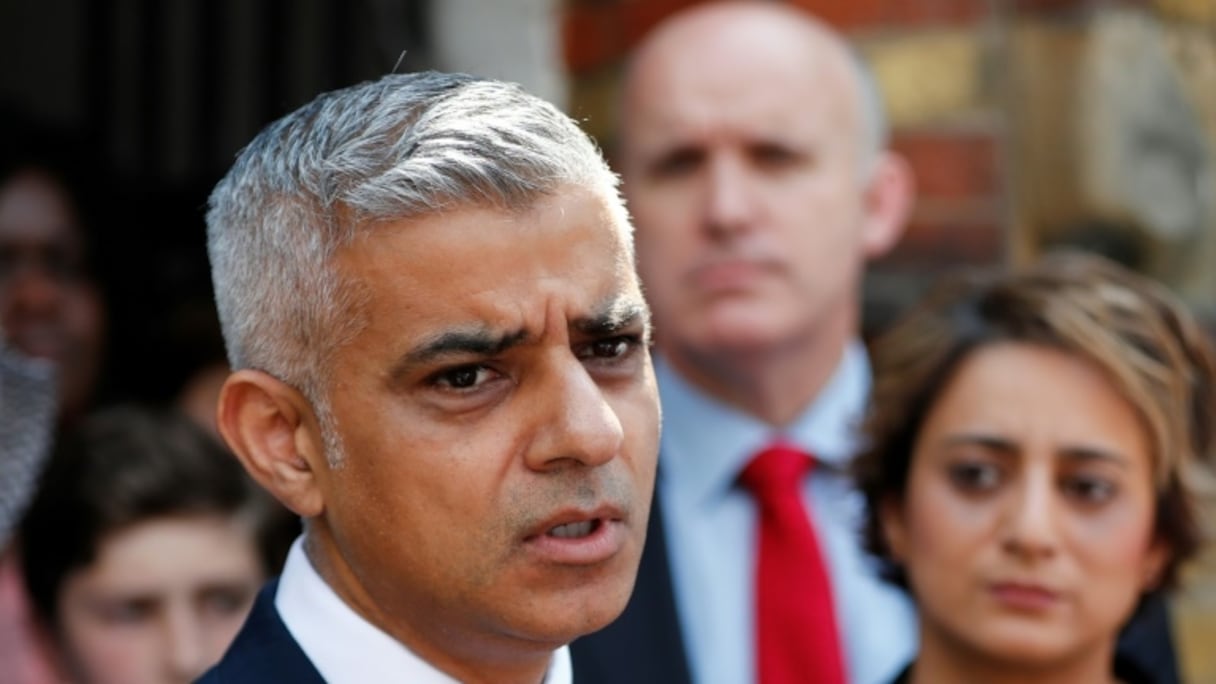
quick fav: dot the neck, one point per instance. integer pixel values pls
(949, 661)
(775, 383)
(465, 656)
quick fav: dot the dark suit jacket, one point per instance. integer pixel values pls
(645, 646)
(263, 652)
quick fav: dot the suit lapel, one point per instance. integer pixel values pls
(264, 651)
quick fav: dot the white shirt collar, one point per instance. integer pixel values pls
(706, 443)
(344, 647)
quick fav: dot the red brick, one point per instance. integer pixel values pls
(595, 34)
(845, 15)
(851, 15)
(932, 246)
(642, 15)
(591, 35)
(952, 165)
(600, 32)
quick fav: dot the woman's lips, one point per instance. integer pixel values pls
(1024, 597)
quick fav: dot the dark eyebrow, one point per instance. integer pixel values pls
(473, 341)
(1087, 454)
(613, 316)
(989, 442)
(1079, 454)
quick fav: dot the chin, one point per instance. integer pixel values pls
(1027, 646)
(588, 609)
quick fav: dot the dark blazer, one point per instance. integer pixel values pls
(645, 645)
(263, 652)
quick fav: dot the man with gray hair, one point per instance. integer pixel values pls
(427, 291)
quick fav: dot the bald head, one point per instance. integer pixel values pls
(728, 45)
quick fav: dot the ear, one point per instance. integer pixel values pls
(888, 202)
(891, 517)
(271, 427)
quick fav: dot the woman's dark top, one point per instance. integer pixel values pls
(1125, 671)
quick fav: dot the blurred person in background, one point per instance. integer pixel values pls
(754, 158)
(754, 155)
(50, 303)
(1035, 440)
(144, 548)
(50, 311)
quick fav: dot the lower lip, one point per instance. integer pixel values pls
(1026, 599)
(604, 542)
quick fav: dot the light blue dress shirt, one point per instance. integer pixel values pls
(711, 527)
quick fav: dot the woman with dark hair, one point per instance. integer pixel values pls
(1034, 441)
(144, 547)
(51, 305)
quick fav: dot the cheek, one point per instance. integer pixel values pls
(104, 654)
(83, 314)
(944, 527)
(221, 633)
(1116, 542)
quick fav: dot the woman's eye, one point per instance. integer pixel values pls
(975, 476)
(1089, 489)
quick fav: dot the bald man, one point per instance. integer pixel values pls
(753, 151)
(754, 158)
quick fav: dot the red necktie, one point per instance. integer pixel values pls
(796, 640)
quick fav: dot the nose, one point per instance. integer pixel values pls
(576, 423)
(1031, 521)
(729, 199)
(185, 651)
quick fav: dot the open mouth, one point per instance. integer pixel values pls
(576, 530)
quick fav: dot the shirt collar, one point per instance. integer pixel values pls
(706, 443)
(344, 647)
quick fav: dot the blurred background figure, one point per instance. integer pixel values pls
(52, 328)
(144, 548)
(50, 304)
(1036, 441)
(755, 161)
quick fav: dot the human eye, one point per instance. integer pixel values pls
(677, 163)
(608, 352)
(127, 612)
(463, 378)
(975, 476)
(1089, 489)
(225, 601)
(774, 156)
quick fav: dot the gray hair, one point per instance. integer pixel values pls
(404, 146)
